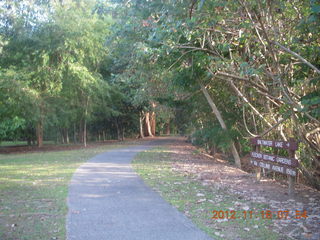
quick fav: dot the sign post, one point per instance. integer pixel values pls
(284, 165)
(291, 179)
(258, 169)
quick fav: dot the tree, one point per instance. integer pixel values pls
(257, 58)
(60, 57)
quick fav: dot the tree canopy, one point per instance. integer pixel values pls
(218, 71)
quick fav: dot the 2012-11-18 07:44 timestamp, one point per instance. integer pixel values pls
(264, 214)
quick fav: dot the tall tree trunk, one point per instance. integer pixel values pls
(67, 136)
(74, 133)
(85, 124)
(168, 127)
(29, 134)
(141, 125)
(57, 137)
(122, 133)
(39, 131)
(222, 124)
(153, 119)
(147, 124)
(118, 130)
(104, 135)
(81, 125)
(61, 135)
(85, 133)
(153, 123)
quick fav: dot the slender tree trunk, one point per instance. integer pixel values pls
(141, 125)
(85, 133)
(168, 127)
(222, 124)
(153, 123)
(61, 135)
(104, 135)
(67, 133)
(148, 125)
(57, 138)
(118, 130)
(30, 135)
(39, 128)
(74, 133)
(122, 133)
(85, 124)
(153, 119)
(39, 131)
(81, 125)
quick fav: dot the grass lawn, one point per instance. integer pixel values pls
(197, 200)
(19, 143)
(33, 192)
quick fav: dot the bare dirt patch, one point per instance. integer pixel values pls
(213, 170)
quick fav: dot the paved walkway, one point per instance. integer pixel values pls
(108, 200)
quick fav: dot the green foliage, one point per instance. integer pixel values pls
(56, 62)
(9, 127)
(34, 184)
(184, 40)
(72, 64)
(311, 104)
(214, 136)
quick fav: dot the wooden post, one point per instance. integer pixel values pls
(256, 148)
(291, 179)
(258, 174)
(284, 165)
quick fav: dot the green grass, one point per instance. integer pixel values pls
(19, 143)
(33, 192)
(155, 167)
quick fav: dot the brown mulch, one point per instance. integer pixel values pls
(215, 170)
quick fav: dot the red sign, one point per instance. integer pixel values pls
(275, 168)
(277, 144)
(276, 159)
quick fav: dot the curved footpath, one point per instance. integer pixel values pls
(108, 200)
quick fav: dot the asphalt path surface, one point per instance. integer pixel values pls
(108, 200)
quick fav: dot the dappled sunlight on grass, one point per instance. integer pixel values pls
(33, 192)
(163, 170)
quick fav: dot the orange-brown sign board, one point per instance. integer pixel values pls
(276, 159)
(275, 168)
(291, 145)
(285, 165)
